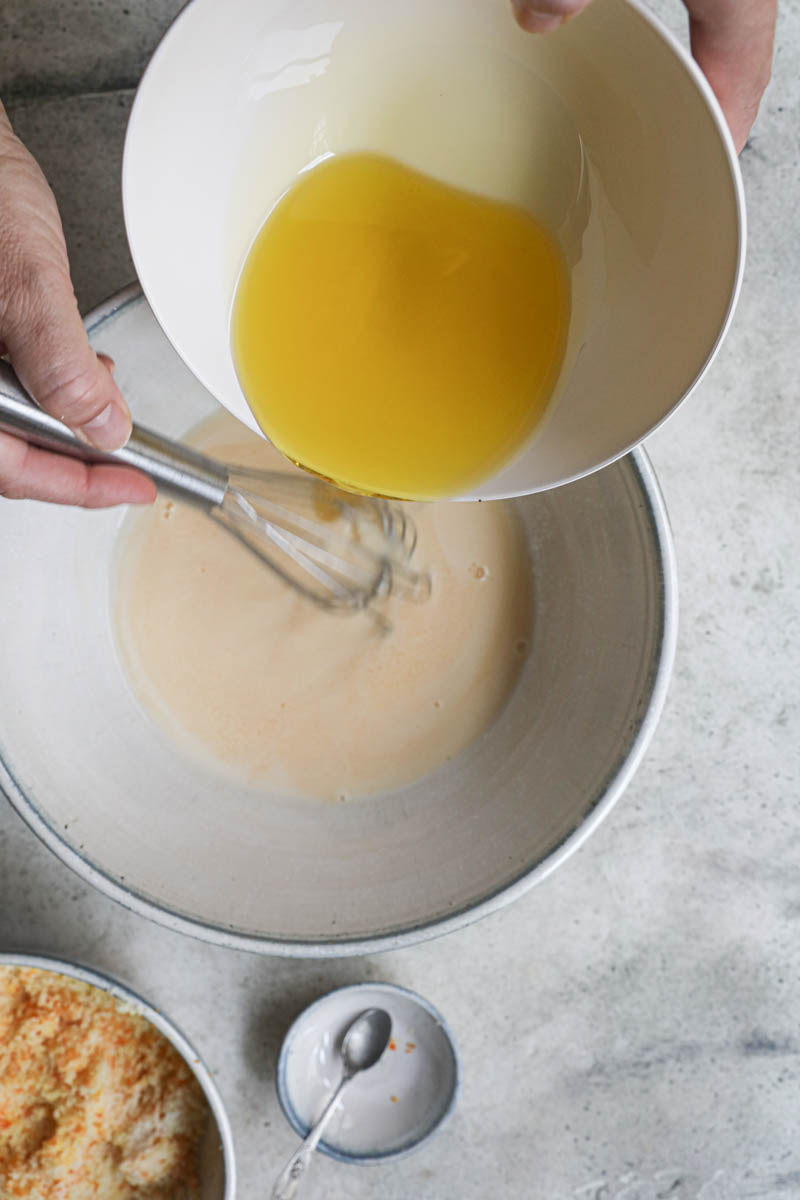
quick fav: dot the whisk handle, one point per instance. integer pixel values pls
(172, 467)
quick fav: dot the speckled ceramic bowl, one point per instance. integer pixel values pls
(218, 1170)
(390, 1110)
(124, 807)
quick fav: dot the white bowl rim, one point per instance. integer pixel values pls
(723, 129)
(365, 1160)
(618, 779)
(715, 109)
(41, 961)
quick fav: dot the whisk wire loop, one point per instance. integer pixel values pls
(339, 550)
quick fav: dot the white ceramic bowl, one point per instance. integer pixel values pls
(118, 802)
(218, 1180)
(605, 129)
(394, 1107)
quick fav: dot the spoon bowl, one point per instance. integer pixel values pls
(366, 1040)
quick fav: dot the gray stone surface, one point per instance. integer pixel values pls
(629, 1029)
(64, 47)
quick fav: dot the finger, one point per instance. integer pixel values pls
(28, 473)
(52, 356)
(541, 16)
(733, 46)
(39, 319)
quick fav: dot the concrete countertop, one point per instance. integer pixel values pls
(629, 1029)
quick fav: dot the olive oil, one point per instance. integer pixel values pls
(396, 334)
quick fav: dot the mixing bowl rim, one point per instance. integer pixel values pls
(673, 44)
(377, 1158)
(43, 961)
(607, 796)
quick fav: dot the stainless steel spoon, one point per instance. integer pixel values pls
(363, 1044)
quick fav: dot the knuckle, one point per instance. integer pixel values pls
(15, 288)
(31, 270)
(80, 491)
(28, 283)
(72, 397)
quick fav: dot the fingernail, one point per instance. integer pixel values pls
(535, 22)
(109, 430)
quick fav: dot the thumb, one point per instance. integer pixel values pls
(52, 356)
(40, 325)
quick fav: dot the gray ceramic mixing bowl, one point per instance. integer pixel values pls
(117, 802)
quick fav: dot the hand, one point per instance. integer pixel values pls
(42, 332)
(731, 41)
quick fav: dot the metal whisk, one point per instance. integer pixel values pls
(340, 550)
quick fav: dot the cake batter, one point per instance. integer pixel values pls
(249, 676)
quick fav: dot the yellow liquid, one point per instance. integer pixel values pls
(395, 334)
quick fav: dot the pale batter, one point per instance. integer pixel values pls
(248, 675)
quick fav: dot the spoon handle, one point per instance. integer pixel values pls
(291, 1176)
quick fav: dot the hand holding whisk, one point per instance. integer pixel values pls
(340, 550)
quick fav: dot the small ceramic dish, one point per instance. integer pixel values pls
(217, 1169)
(395, 1106)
